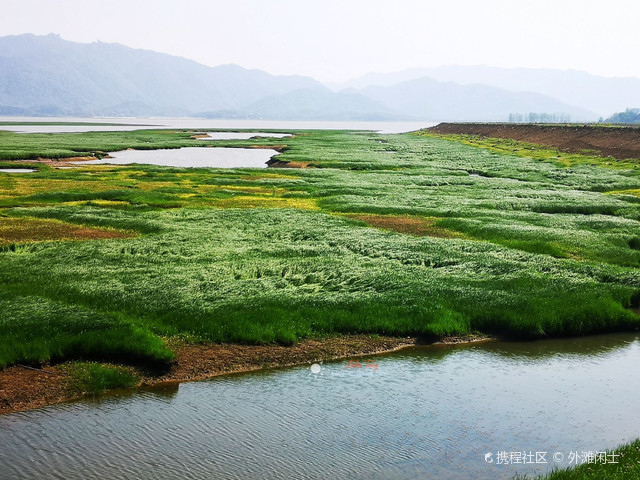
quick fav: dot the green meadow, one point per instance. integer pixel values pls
(405, 235)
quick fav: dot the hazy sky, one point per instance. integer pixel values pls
(335, 40)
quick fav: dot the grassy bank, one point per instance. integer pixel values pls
(398, 235)
(621, 463)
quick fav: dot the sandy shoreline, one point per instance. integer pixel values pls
(23, 388)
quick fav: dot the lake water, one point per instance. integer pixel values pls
(191, 157)
(127, 124)
(425, 412)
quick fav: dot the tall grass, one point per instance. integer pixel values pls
(93, 378)
(541, 249)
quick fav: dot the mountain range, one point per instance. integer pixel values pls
(602, 95)
(47, 75)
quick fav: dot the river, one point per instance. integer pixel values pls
(423, 412)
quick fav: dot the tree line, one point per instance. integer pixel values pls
(630, 115)
(539, 117)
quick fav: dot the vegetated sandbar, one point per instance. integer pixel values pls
(215, 270)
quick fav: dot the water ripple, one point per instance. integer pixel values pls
(425, 412)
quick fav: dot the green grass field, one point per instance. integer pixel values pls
(389, 234)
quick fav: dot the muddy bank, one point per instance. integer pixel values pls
(617, 142)
(23, 388)
(273, 163)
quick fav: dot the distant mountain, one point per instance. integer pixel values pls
(317, 103)
(430, 99)
(49, 75)
(601, 95)
(320, 104)
(46, 75)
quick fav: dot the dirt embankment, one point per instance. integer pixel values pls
(617, 142)
(25, 388)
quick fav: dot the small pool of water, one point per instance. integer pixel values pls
(194, 157)
(425, 412)
(18, 170)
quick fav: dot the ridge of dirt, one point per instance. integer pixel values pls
(621, 142)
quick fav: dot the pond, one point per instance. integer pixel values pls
(195, 157)
(424, 412)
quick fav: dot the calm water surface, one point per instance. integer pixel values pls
(427, 412)
(127, 124)
(192, 157)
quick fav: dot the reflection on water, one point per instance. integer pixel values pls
(425, 412)
(192, 157)
(17, 170)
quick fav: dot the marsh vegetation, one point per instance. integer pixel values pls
(406, 235)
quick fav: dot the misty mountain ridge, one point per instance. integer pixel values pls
(318, 103)
(433, 100)
(602, 95)
(39, 71)
(47, 75)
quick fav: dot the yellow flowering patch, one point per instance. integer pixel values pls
(270, 175)
(242, 201)
(635, 192)
(30, 186)
(148, 186)
(258, 190)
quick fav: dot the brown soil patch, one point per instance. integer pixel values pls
(21, 230)
(280, 164)
(22, 388)
(69, 159)
(464, 339)
(197, 362)
(63, 162)
(277, 148)
(406, 224)
(617, 142)
(55, 162)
